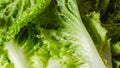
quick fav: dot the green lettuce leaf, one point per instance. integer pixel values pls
(57, 38)
(99, 35)
(16, 14)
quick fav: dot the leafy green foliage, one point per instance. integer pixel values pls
(87, 6)
(59, 33)
(34, 38)
(4, 61)
(13, 19)
(111, 22)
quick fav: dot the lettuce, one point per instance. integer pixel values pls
(13, 19)
(55, 36)
(111, 22)
(59, 34)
